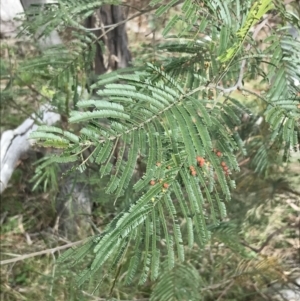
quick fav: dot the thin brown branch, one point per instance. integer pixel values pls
(225, 290)
(48, 251)
(105, 299)
(217, 285)
(140, 12)
(266, 242)
(243, 162)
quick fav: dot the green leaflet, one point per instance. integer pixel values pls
(130, 165)
(220, 174)
(186, 135)
(152, 145)
(170, 25)
(196, 128)
(51, 129)
(240, 143)
(115, 180)
(77, 253)
(48, 136)
(288, 130)
(85, 116)
(164, 8)
(169, 238)
(183, 205)
(110, 77)
(221, 205)
(135, 260)
(100, 104)
(104, 152)
(147, 255)
(64, 159)
(201, 111)
(90, 133)
(208, 197)
(258, 9)
(120, 254)
(176, 227)
(232, 114)
(154, 250)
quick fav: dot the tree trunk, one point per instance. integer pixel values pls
(116, 43)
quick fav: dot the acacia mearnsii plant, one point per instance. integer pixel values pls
(164, 136)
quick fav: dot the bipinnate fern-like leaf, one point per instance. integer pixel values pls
(282, 112)
(258, 9)
(172, 130)
(169, 118)
(182, 283)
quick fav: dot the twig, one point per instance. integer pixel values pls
(215, 286)
(140, 12)
(113, 26)
(261, 293)
(53, 275)
(94, 297)
(48, 251)
(243, 162)
(265, 243)
(225, 290)
(104, 299)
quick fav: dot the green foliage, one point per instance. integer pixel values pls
(146, 127)
(182, 283)
(171, 120)
(46, 173)
(258, 9)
